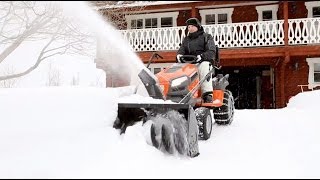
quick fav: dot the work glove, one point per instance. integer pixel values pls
(178, 58)
(199, 59)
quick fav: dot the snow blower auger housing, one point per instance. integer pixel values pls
(177, 126)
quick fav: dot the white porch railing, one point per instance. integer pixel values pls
(304, 31)
(248, 34)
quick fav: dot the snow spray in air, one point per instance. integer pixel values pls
(113, 51)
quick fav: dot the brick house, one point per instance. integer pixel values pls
(271, 49)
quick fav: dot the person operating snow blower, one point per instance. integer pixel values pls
(200, 44)
(178, 124)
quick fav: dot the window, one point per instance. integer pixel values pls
(222, 18)
(136, 23)
(216, 16)
(316, 12)
(267, 13)
(317, 72)
(210, 19)
(151, 23)
(155, 20)
(314, 72)
(166, 22)
(313, 8)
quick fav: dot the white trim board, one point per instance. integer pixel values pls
(205, 12)
(174, 16)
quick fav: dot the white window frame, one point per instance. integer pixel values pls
(274, 8)
(205, 12)
(174, 16)
(311, 62)
(311, 5)
(158, 65)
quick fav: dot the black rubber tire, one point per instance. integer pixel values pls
(224, 115)
(204, 119)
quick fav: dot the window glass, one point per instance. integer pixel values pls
(266, 15)
(317, 72)
(136, 24)
(222, 18)
(166, 22)
(316, 12)
(210, 19)
(151, 23)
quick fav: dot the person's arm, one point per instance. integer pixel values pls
(181, 50)
(210, 50)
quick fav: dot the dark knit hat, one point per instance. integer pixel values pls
(193, 21)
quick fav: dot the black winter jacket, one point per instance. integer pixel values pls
(194, 44)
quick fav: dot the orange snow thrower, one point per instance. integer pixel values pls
(179, 83)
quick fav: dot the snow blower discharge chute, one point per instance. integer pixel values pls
(177, 127)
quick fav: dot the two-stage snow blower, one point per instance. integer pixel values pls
(177, 126)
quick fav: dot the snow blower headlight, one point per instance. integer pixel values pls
(179, 81)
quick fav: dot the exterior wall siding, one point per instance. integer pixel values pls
(296, 76)
(244, 14)
(182, 17)
(296, 9)
(293, 78)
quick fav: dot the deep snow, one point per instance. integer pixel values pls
(66, 132)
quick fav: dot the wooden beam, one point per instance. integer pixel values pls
(168, 56)
(243, 53)
(283, 79)
(251, 55)
(312, 50)
(193, 11)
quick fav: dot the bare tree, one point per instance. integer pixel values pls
(117, 15)
(22, 21)
(54, 76)
(99, 82)
(75, 80)
(9, 83)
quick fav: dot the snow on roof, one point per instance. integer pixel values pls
(141, 3)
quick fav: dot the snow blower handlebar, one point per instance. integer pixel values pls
(193, 60)
(188, 59)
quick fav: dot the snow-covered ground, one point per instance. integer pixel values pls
(66, 132)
